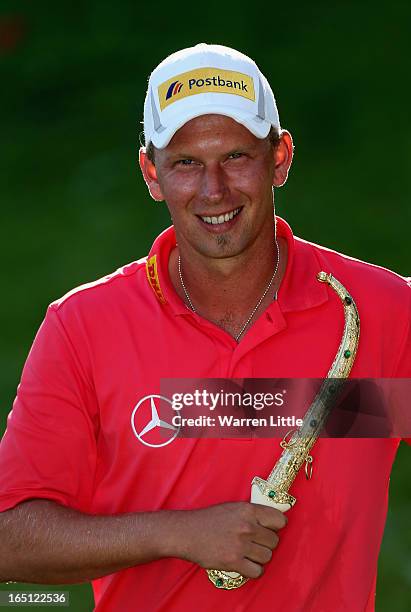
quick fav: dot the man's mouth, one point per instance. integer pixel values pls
(223, 218)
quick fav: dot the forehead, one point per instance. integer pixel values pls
(212, 130)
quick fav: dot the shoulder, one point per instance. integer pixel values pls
(118, 286)
(383, 300)
(361, 277)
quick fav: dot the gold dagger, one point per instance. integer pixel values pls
(296, 447)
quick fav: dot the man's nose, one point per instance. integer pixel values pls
(213, 185)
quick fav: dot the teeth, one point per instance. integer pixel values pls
(221, 218)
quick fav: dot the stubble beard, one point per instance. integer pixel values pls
(223, 241)
(220, 249)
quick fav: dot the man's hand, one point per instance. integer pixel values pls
(237, 537)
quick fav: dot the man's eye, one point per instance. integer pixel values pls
(185, 162)
(235, 155)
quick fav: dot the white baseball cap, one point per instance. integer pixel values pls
(207, 79)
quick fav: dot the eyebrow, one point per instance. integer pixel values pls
(238, 149)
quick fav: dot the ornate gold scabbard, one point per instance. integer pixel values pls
(296, 447)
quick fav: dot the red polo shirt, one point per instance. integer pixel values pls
(94, 368)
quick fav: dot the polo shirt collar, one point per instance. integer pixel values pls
(299, 288)
(157, 271)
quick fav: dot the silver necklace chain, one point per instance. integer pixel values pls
(256, 307)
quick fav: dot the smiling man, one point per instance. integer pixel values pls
(96, 484)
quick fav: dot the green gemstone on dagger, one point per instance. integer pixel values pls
(219, 582)
(347, 354)
(271, 494)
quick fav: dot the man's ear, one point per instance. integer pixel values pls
(283, 156)
(150, 175)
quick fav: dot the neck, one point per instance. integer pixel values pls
(225, 291)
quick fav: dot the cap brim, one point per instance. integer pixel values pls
(257, 126)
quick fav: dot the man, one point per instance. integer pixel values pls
(89, 489)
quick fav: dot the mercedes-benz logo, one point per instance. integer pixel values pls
(141, 430)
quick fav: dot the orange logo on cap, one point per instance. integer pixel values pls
(152, 275)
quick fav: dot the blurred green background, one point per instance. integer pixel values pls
(73, 206)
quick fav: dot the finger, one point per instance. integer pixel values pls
(271, 518)
(265, 537)
(259, 554)
(250, 569)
